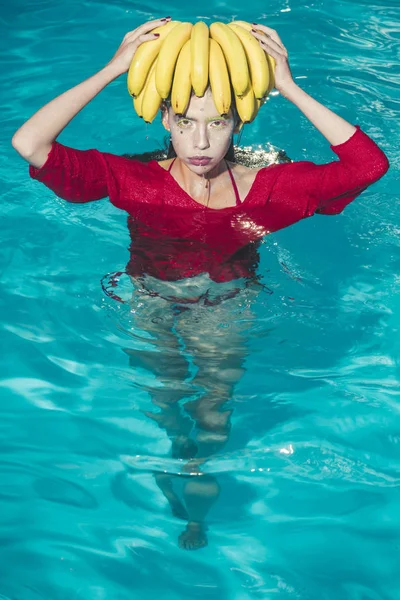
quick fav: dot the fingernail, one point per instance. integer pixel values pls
(255, 24)
(254, 31)
(157, 34)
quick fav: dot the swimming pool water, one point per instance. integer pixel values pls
(309, 476)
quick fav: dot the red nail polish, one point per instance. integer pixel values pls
(157, 34)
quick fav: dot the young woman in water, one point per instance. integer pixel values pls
(195, 220)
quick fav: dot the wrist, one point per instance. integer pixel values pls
(111, 72)
(291, 91)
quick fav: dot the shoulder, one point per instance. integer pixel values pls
(245, 179)
(246, 176)
(164, 163)
(130, 166)
(241, 172)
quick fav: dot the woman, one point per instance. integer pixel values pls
(252, 202)
(195, 221)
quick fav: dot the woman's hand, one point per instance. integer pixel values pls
(123, 57)
(272, 44)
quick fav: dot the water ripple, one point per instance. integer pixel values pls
(279, 417)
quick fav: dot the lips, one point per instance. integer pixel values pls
(199, 160)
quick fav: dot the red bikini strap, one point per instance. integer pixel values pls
(237, 196)
(170, 166)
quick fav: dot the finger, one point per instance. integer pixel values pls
(271, 37)
(157, 23)
(267, 42)
(141, 38)
(264, 28)
(270, 32)
(146, 37)
(276, 53)
(146, 27)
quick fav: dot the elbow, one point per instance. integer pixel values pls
(371, 172)
(15, 142)
(384, 166)
(21, 146)
(379, 168)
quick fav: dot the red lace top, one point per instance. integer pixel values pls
(173, 236)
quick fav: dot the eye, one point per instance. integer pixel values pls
(219, 123)
(184, 123)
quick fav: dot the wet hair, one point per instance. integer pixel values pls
(246, 156)
(169, 152)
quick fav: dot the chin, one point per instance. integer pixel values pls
(200, 168)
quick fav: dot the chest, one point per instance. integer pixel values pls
(221, 194)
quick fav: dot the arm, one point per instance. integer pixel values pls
(34, 139)
(335, 129)
(304, 187)
(331, 187)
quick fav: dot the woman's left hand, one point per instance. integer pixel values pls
(272, 44)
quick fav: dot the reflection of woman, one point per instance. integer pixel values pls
(194, 353)
(195, 219)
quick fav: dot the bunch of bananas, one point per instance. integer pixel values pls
(186, 57)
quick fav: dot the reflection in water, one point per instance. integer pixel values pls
(197, 345)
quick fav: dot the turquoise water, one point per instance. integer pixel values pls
(309, 476)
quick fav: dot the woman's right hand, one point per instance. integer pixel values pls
(123, 57)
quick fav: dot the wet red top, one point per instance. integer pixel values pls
(173, 236)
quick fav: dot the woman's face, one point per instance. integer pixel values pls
(200, 137)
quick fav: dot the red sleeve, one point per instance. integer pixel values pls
(307, 188)
(75, 175)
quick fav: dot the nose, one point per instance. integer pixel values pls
(201, 140)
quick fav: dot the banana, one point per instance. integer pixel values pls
(219, 78)
(234, 54)
(199, 64)
(258, 105)
(243, 24)
(182, 87)
(259, 102)
(270, 59)
(151, 98)
(144, 57)
(137, 102)
(246, 105)
(168, 55)
(271, 64)
(184, 56)
(256, 59)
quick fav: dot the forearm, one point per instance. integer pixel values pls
(335, 129)
(47, 123)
